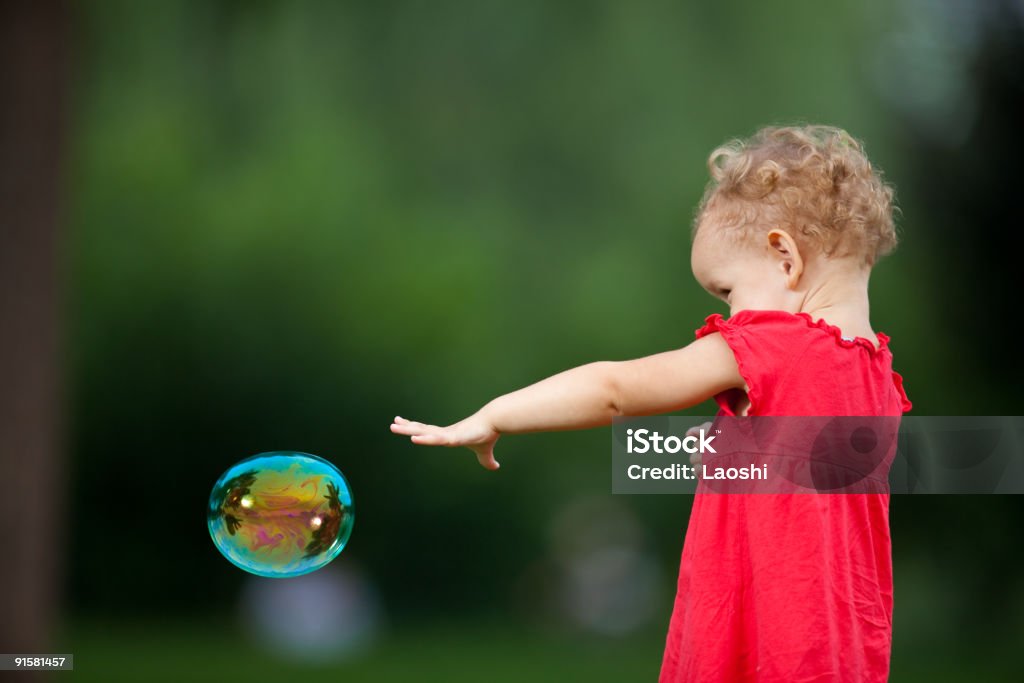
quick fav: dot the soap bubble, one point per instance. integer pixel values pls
(281, 514)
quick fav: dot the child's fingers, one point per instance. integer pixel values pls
(408, 424)
(696, 429)
(409, 428)
(405, 429)
(428, 435)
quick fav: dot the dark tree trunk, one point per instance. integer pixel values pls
(33, 63)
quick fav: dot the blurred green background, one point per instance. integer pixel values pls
(287, 222)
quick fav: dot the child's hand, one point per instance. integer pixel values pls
(696, 459)
(475, 433)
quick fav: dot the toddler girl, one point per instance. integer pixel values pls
(772, 587)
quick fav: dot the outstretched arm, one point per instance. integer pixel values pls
(590, 396)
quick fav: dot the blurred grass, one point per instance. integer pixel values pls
(161, 651)
(200, 651)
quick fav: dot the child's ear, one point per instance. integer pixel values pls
(790, 260)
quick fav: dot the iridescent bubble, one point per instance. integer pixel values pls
(281, 514)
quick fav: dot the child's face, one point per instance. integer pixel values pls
(746, 276)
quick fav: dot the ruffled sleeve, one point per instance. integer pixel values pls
(734, 337)
(765, 349)
(897, 379)
(711, 324)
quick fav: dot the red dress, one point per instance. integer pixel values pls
(789, 588)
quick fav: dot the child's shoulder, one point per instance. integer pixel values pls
(766, 324)
(751, 318)
(783, 327)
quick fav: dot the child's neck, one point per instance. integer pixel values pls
(841, 299)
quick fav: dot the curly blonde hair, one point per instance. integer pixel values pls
(814, 181)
